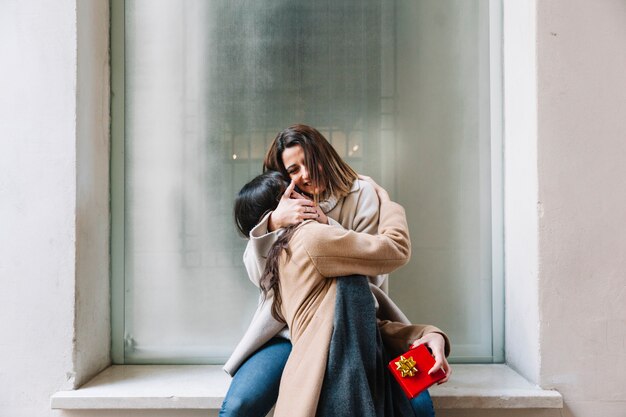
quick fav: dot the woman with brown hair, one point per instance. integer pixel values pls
(325, 189)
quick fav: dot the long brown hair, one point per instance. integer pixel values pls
(324, 164)
(270, 280)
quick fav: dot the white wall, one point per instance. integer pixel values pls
(565, 147)
(93, 324)
(582, 171)
(53, 201)
(37, 205)
(520, 189)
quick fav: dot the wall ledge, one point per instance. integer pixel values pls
(124, 387)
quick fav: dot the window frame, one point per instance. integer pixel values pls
(117, 166)
(118, 110)
(496, 109)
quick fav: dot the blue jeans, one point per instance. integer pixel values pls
(254, 388)
(423, 405)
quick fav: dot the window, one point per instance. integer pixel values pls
(407, 92)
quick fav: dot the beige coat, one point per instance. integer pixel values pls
(357, 211)
(308, 288)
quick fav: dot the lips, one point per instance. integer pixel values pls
(307, 189)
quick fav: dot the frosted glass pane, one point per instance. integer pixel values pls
(443, 163)
(442, 175)
(399, 88)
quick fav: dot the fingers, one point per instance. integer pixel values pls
(309, 212)
(443, 366)
(296, 194)
(448, 370)
(436, 343)
(302, 202)
(436, 366)
(289, 190)
(302, 210)
(321, 216)
(417, 343)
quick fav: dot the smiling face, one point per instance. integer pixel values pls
(298, 148)
(295, 165)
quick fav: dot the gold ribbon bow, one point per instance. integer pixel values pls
(406, 366)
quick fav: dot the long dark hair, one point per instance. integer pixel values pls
(335, 173)
(257, 198)
(253, 201)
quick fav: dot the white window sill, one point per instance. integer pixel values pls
(204, 386)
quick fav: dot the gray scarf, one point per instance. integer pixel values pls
(357, 381)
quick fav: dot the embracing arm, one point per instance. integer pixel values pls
(292, 209)
(366, 219)
(261, 240)
(336, 252)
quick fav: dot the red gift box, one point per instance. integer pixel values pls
(411, 371)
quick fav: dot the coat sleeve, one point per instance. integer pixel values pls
(255, 255)
(387, 309)
(336, 252)
(335, 223)
(366, 219)
(399, 336)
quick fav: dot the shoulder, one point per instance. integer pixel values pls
(365, 188)
(361, 191)
(366, 199)
(359, 186)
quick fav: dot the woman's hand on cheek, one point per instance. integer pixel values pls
(291, 211)
(437, 345)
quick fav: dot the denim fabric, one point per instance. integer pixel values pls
(423, 405)
(254, 388)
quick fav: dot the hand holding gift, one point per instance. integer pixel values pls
(414, 371)
(436, 343)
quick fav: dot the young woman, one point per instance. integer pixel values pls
(330, 192)
(300, 274)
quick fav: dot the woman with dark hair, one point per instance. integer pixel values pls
(260, 195)
(300, 275)
(325, 189)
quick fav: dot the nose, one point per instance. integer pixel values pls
(304, 173)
